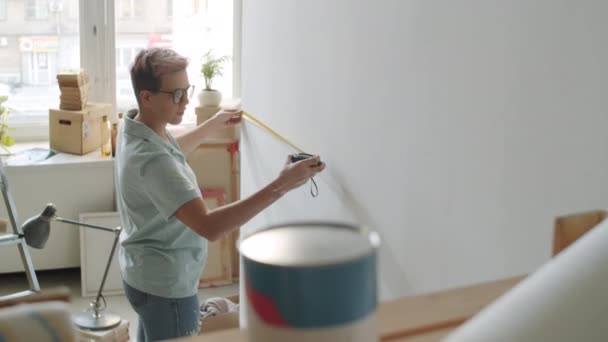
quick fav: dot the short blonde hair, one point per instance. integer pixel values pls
(150, 64)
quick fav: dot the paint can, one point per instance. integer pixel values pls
(311, 282)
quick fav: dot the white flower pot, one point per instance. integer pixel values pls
(209, 98)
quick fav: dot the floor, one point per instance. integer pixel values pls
(11, 283)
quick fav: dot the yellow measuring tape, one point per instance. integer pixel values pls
(314, 190)
(270, 131)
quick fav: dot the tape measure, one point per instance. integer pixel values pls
(314, 189)
(270, 131)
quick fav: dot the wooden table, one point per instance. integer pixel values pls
(421, 318)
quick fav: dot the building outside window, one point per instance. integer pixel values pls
(33, 48)
(3, 9)
(129, 9)
(169, 8)
(36, 9)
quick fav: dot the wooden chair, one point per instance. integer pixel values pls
(41, 316)
(569, 228)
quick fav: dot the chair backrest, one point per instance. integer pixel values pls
(570, 228)
(57, 294)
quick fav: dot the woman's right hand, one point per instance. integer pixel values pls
(297, 174)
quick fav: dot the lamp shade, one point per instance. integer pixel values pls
(36, 229)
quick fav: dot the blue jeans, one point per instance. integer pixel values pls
(163, 318)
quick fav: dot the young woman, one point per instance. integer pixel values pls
(166, 224)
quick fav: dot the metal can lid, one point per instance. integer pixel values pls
(306, 245)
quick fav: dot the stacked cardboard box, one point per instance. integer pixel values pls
(74, 87)
(78, 131)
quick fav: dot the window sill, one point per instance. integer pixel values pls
(18, 158)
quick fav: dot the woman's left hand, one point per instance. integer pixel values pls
(225, 118)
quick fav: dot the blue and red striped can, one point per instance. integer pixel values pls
(311, 282)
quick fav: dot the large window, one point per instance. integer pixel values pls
(33, 52)
(189, 27)
(36, 9)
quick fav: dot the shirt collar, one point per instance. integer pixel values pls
(140, 130)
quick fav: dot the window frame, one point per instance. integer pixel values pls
(131, 9)
(169, 8)
(3, 10)
(37, 5)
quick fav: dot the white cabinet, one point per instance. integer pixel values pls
(74, 188)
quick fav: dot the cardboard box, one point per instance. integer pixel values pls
(228, 320)
(82, 90)
(73, 105)
(78, 131)
(74, 97)
(72, 78)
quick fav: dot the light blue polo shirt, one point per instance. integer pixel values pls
(159, 254)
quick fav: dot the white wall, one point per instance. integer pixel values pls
(462, 127)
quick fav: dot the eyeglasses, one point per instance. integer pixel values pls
(178, 94)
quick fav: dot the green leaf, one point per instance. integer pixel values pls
(212, 67)
(7, 140)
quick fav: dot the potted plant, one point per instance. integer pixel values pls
(211, 67)
(5, 139)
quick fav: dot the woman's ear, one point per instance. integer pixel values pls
(145, 96)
